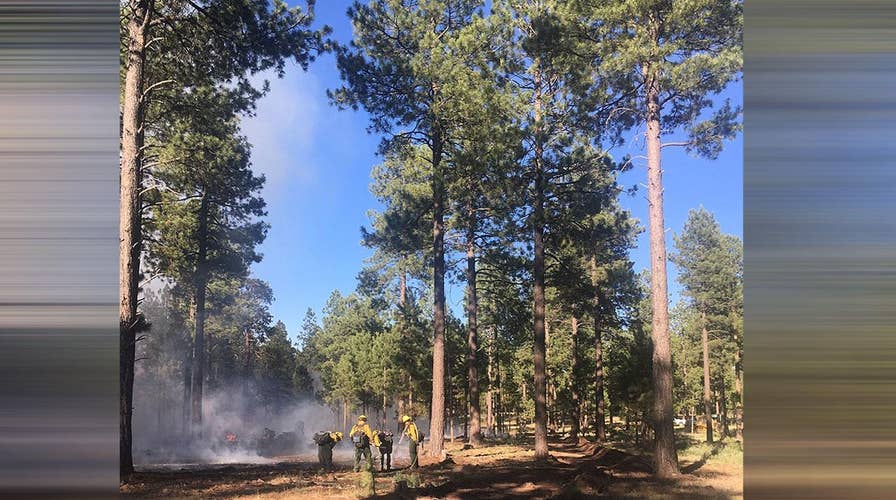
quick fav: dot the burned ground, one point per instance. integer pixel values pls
(575, 470)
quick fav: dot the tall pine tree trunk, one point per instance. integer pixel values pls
(723, 407)
(385, 396)
(475, 432)
(739, 404)
(403, 292)
(130, 220)
(539, 354)
(199, 350)
(449, 393)
(600, 428)
(665, 454)
(576, 419)
(490, 395)
(707, 386)
(499, 400)
(187, 396)
(247, 362)
(437, 413)
(600, 425)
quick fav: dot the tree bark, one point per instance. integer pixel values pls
(130, 238)
(707, 386)
(539, 354)
(399, 412)
(738, 404)
(449, 396)
(490, 395)
(437, 413)
(600, 425)
(199, 292)
(247, 362)
(475, 433)
(188, 377)
(576, 398)
(610, 415)
(665, 454)
(403, 292)
(723, 407)
(499, 401)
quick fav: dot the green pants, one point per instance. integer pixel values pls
(386, 458)
(325, 456)
(365, 451)
(412, 450)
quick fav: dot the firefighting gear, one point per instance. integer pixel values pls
(361, 436)
(325, 443)
(413, 434)
(383, 441)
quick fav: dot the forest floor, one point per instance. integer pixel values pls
(494, 470)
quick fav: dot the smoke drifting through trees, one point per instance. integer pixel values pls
(497, 174)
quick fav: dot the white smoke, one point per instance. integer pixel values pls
(161, 435)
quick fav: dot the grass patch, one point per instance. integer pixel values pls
(727, 452)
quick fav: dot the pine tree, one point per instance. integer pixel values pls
(207, 221)
(707, 272)
(666, 58)
(276, 368)
(130, 239)
(402, 68)
(168, 46)
(557, 102)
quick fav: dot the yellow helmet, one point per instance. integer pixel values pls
(405, 419)
(363, 417)
(338, 435)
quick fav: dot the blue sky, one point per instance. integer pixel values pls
(317, 162)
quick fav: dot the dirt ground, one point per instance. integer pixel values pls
(575, 470)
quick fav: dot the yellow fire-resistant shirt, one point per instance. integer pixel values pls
(365, 428)
(410, 430)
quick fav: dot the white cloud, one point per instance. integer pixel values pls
(282, 132)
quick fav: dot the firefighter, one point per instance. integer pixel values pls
(325, 443)
(414, 438)
(383, 441)
(362, 436)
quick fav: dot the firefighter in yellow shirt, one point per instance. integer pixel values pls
(414, 437)
(325, 443)
(362, 437)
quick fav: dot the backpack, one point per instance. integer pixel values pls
(386, 438)
(322, 438)
(361, 440)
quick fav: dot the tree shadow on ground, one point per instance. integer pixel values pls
(520, 478)
(581, 470)
(228, 481)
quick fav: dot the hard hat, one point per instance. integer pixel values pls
(363, 417)
(405, 418)
(338, 436)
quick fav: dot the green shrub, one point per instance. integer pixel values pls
(412, 479)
